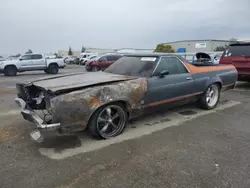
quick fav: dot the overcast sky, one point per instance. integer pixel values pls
(52, 25)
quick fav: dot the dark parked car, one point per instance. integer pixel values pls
(102, 102)
(102, 62)
(239, 56)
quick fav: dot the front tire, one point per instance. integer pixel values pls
(210, 98)
(108, 121)
(10, 71)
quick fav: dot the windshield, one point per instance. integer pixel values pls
(237, 50)
(134, 66)
(93, 57)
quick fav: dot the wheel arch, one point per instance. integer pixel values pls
(11, 65)
(53, 63)
(215, 80)
(126, 104)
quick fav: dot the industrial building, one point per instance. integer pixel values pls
(102, 51)
(189, 46)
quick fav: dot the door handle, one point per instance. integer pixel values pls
(189, 78)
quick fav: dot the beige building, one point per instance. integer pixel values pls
(103, 50)
(91, 50)
(189, 46)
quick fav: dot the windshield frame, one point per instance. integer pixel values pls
(156, 62)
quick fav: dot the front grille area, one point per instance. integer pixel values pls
(22, 92)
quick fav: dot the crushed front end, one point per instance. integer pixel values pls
(35, 107)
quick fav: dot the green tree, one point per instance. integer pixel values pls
(83, 49)
(230, 41)
(70, 51)
(165, 48)
(220, 48)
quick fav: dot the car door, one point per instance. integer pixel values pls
(26, 62)
(102, 62)
(38, 62)
(175, 86)
(111, 59)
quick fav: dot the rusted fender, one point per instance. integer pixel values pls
(73, 110)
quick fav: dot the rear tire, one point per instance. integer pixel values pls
(210, 98)
(95, 68)
(10, 71)
(52, 69)
(108, 121)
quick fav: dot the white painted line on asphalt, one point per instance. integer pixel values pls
(9, 113)
(11, 87)
(157, 122)
(245, 89)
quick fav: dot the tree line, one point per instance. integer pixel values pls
(167, 48)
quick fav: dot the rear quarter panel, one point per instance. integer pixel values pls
(60, 62)
(242, 64)
(226, 76)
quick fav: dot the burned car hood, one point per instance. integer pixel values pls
(78, 80)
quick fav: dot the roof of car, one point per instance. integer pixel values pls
(240, 43)
(150, 55)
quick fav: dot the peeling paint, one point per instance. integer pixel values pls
(94, 102)
(74, 109)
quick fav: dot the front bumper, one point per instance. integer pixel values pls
(41, 126)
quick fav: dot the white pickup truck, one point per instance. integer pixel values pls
(31, 62)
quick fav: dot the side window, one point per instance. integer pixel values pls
(172, 65)
(237, 50)
(113, 58)
(37, 56)
(246, 50)
(104, 58)
(26, 57)
(117, 57)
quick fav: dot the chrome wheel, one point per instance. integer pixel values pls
(212, 95)
(111, 121)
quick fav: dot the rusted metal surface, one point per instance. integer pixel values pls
(73, 110)
(79, 80)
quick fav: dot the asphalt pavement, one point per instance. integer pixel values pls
(186, 147)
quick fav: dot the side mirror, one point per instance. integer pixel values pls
(164, 73)
(20, 59)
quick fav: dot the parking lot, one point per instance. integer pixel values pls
(184, 147)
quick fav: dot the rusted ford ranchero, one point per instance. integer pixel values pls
(103, 102)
